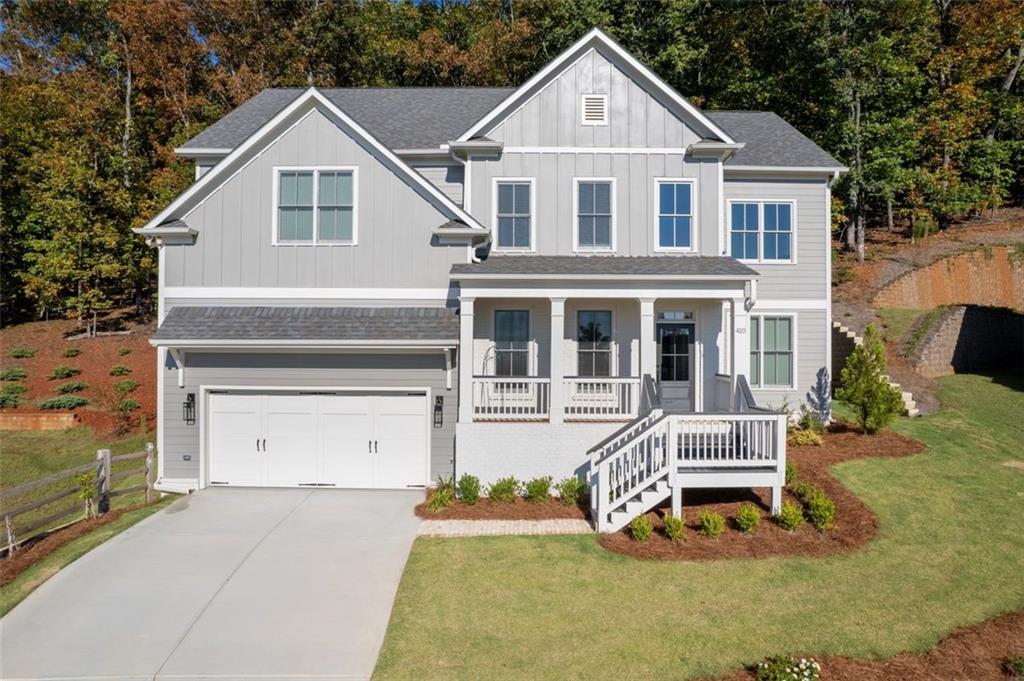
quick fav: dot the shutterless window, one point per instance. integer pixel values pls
(594, 342)
(315, 206)
(744, 220)
(295, 206)
(334, 206)
(514, 215)
(771, 351)
(511, 342)
(675, 214)
(778, 231)
(594, 218)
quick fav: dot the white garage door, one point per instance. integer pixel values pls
(287, 440)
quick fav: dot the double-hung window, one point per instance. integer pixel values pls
(594, 343)
(761, 231)
(771, 352)
(514, 214)
(316, 206)
(594, 215)
(675, 215)
(511, 342)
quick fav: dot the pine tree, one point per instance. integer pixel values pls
(865, 385)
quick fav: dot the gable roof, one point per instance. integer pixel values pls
(770, 141)
(596, 39)
(311, 99)
(401, 118)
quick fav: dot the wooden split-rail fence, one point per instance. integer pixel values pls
(66, 486)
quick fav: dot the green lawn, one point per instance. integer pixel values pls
(950, 552)
(898, 323)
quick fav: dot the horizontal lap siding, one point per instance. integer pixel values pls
(301, 369)
(811, 333)
(807, 278)
(446, 177)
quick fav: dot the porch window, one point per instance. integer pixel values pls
(315, 206)
(513, 215)
(594, 343)
(771, 351)
(594, 215)
(762, 231)
(511, 342)
(675, 215)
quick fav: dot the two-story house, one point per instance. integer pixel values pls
(583, 275)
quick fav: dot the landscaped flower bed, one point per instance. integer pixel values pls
(821, 529)
(507, 499)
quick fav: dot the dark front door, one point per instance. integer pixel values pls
(675, 363)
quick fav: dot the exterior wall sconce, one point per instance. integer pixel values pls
(188, 409)
(439, 411)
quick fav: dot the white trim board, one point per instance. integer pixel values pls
(337, 294)
(777, 304)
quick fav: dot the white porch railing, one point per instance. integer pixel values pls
(501, 398)
(601, 399)
(728, 440)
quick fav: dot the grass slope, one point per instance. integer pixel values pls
(950, 552)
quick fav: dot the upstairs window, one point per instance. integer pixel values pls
(513, 214)
(511, 342)
(675, 215)
(594, 215)
(315, 206)
(762, 231)
(594, 343)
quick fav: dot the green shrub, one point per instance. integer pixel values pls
(22, 353)
(13, 389)
(538, 489)
(64, 402)
(711, 524)
(571, 490)
(781, 668)
(72, 387)
(8, 401)
(504, 490)
(126, 406)
(13, 374)
(790, 473)
(875, 402)
(810, 420)
(821, 511)
(790, 517)
(444, 494)
(1014, 666)
(803, 437)
(122, 388)
(119, 370)
(469, 488)
(72, 352)
(63, 371)
(675, 528)
(640, 528)
(804, 491)
(747, 518)
(121, 352)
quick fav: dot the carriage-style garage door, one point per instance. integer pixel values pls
(296, 440)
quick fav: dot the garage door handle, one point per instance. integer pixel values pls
(264, 444)
(369, 446)
(257, 444)
(375, 450)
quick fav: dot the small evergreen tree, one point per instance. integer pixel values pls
(865, 386)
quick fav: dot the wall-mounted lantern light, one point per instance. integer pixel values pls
(439, 411)
(188, 409)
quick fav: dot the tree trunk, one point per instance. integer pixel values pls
(888, 215)
(126, 135)
(990, 134)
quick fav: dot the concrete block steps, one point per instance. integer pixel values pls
(909, 405)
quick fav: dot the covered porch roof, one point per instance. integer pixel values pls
(604, 268)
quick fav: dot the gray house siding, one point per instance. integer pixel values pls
(449, 178)
(552, 117)
(807, 278)
(234, 245)
(634, 175)
(300, 369)
(812, 327)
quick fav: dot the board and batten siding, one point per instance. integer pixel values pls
(234, 244)
(306, 370)
(553, 117)
(447, 177)
(635, 191)
(807, 278)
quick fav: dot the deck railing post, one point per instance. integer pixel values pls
(103, 480)
(150, 471)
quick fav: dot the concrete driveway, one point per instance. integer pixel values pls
(225, 584)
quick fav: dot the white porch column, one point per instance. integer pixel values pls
(739, 341)
(648, 349)
(557, 402)
(466, 360)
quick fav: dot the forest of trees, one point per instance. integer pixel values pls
(922, 99)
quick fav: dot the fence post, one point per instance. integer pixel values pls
(150, 470)
(103, 474)
(11, 545)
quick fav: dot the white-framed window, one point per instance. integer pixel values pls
(675, 225)
(594, 109)
(514, 209)
(594, 202)
(762, 231)
(511, 342)
(315, 206)
(593, 343)
(772, 351)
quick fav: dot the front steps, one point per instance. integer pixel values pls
(851, 339)
(649, 498)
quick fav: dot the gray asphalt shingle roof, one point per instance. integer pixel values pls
(625, 266)
(309, 323)
(770, 141)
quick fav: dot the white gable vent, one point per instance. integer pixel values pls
(595, 109)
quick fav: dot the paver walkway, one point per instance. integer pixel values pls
(479, 528)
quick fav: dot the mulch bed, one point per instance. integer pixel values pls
(975, 652)
(25, 557)
(855, 523)
(485, 509)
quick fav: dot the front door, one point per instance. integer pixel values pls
(675, 364)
